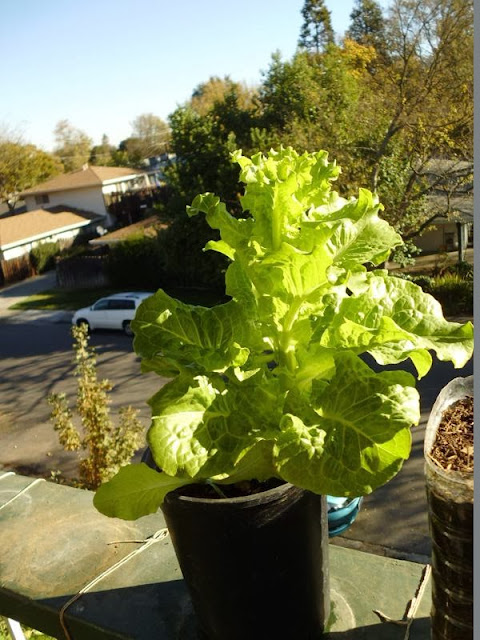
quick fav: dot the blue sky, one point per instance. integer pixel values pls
(101, 63)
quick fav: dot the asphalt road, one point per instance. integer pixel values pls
(36, 359)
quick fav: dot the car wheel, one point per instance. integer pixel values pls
(127, 328)
(81, 321)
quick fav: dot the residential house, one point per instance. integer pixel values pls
(20, 233)
(95, 189)
(450, 206)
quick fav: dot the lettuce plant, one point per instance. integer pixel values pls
(273, 383)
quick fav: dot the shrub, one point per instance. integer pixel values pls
(108, 447)
(462, 269)
(406, 254)
(186, 262)
(137, 263)
(43, 256)
(454, 293)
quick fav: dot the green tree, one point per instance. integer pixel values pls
(219, 118)
(150, 136)
(72, 145)
(311, 102)
(215, 91)
(422, 101)
(203, 141)
(289, 92)
(102, 154)
(316, 31)
(23, 166)
(386, 118)
(129, 153)
(367, 25)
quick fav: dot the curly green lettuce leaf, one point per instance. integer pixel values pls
(234, 232)
(172, 336)
(354, 433)
(202, 427)
(393, 319)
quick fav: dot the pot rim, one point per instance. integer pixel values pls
(262, 496)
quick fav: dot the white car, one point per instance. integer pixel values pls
(112, 312)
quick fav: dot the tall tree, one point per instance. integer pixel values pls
(215, 91)
(150, 135)
(23, 166)
(316, 31)
(367, 26)
(102, 154)
(420, 103)
(72, 145)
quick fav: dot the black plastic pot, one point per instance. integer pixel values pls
(256, 567)
(450, 502)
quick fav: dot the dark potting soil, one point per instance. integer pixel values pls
(237, 490)
(453, 445)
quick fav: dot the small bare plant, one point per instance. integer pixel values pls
(108, 447)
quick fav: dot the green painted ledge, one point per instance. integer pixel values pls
(54, 543)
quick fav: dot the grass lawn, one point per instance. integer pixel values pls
(70, 300)
(53, 299)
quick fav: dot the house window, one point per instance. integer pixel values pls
(42, 199)
(450, 240)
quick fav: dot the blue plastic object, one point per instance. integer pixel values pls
(341, 513)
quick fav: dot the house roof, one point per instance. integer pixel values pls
(454, 209)
(24, 227)
(87, 177)
(150, 226)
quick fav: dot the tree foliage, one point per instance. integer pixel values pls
(367, 24)
(216, 90)
(151, 135)
(218, 119)
(424, 99)
(102, 154)
(23, 166)
(317, 31)
(72, 145)
(390, 101)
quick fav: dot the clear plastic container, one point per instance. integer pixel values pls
(450, 500)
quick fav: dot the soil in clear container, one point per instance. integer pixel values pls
(449, 475)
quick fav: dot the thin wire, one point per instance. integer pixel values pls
(156, 537)
(24, 490)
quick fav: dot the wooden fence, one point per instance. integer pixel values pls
(16, 269)
(82, 272)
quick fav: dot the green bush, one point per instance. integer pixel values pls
(43, 256)
(186, 262)
(454, 293)
(426, 282)
(462, 269)
(136, 263)
(108, 447)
